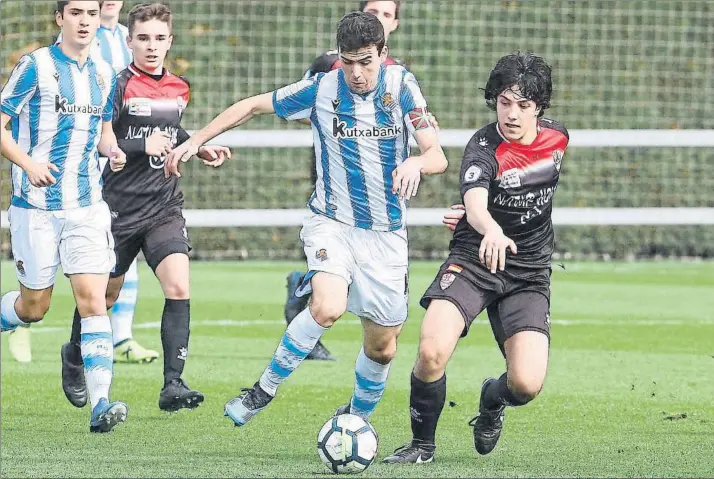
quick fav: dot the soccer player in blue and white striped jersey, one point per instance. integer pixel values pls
(59, 103)
(111, 46)
(356, 241)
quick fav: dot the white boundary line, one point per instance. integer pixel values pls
(266, 322)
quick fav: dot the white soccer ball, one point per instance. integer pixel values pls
(347, 444)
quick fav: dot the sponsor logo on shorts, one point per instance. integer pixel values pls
(447, 279)
(321, 254)
(455, 268)
(20, 267)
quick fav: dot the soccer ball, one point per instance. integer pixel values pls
(347, 444)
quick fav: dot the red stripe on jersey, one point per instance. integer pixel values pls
(169, 87)
(523, 157)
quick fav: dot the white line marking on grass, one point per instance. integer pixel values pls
(275, 322)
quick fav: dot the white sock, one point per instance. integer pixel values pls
(8, 316)
(98, 356)
(125, 305)
(370, 380)
(299, 339)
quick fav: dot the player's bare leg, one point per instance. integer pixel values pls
(372, 368)
(97, 349)
(527, 364)
(173, 274)
(329, 302)
(440, 331)
(20, 309)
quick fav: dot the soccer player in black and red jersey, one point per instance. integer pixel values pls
(146, 206)
(387, 11)
(500, 258)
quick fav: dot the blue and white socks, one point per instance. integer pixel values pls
(98, 356)
(122, 319)
(370, 380)
(9, 320)
(299, 339)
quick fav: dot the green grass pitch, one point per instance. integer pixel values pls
(629, 392)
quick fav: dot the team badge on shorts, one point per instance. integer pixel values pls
(446, 280)
(20, 267)
(321, 254)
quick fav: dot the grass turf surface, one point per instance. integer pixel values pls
(632, 349)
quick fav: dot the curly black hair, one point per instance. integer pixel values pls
(529, 72)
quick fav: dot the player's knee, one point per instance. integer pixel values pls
(381, 353)
(33, 310)
(91, 303)
(524, 388)
(326, 312)
(176, 290)
(431, 361)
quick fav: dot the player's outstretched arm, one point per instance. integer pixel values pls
(492, 251)
(407, 176)
(39, 174)
(238, 114)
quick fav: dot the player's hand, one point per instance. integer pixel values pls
(40, 174)
(214, 155)
(117, 159)
(181, 153)
(406, 177)
(452, 218)
(430, 116)
(158, 144)
(492, 252)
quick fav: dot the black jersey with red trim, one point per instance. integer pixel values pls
(143, 104)
(329, 61)
(521, 181)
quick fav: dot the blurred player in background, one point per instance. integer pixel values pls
(109, 45)
(59, 101)
(500, 258)
(356, 241)
(387, 11)
(146, 207)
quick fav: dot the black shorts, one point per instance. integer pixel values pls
(516, 299)
(158, 238)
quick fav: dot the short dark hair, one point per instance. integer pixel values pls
(363, 5)
(60, 6)
(528, 71)
(358, 30)
(150, 11)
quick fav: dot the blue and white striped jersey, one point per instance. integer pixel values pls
(110, 46)
(57, 110)
(359, 141)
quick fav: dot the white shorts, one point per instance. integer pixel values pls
(374, 264)
(80, 239)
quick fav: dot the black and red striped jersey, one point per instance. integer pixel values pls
(144, 104)
(521, 181)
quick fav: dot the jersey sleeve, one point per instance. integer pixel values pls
(478, 168)
(296, 101)
(20, 87)
(413, 104)
(322, 64)
(108, 112)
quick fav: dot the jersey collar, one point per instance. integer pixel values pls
(60, 55)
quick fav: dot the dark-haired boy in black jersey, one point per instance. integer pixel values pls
(500, 258)
(146, 206)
